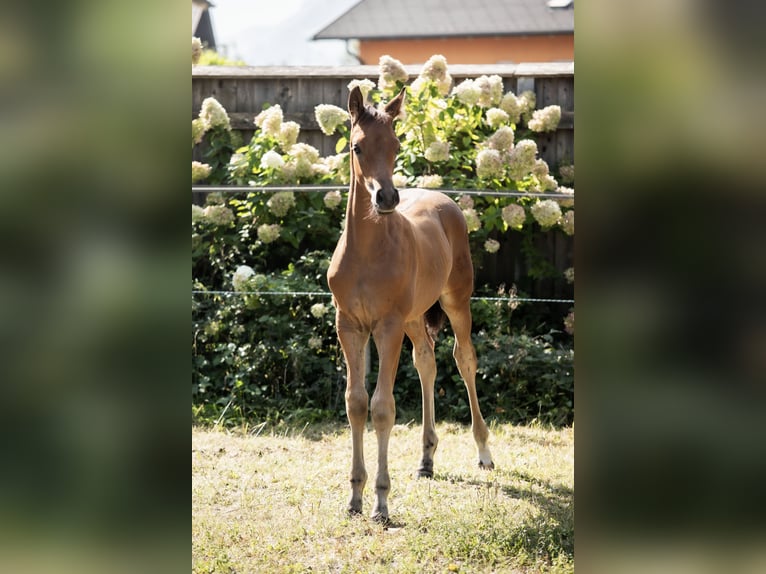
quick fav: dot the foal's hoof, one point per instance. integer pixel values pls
(381, 518)
(352, 511)
(426, 472)
(487, 466)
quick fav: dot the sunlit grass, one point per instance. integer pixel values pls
(274, 501)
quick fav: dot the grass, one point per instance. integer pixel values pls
(273, 501)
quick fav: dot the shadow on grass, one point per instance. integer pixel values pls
(553, 528)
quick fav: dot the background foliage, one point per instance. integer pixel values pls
(276, 357)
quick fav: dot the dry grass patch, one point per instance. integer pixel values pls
(274, 501)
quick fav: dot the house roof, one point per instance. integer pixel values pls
(395, 19)
(198, 7)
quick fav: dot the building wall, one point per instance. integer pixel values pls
(479, 50)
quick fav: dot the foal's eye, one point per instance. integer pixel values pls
(356, 149)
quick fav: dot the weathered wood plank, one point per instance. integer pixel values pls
(534, 69)
(245, 91)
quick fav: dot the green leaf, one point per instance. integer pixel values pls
(341, 144)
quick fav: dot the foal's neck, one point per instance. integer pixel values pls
(364, 226)
(359, 208)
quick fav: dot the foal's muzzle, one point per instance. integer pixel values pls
(386, 199)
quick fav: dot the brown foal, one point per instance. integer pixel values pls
(401, 263)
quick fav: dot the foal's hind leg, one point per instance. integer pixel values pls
(459, 314)
(425, 363)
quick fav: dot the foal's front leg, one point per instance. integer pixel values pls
(388, 341)
(353, 343)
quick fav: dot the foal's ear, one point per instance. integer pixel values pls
(394, 106)
(355, 104)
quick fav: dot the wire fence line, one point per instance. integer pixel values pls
(315, 188)
(328, 294)
(318, 188)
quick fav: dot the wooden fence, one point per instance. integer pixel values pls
(243, 92)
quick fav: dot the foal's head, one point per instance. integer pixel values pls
(374, 146)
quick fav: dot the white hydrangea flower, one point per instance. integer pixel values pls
(495, 89)
(337, 166)
(196, 50)
(491, 88)
(567, 222)
(200, 171)
(268, 233)
(435, 69)
(281, 202)
(546, 212)
(365, 86)
(238, 165)
(522, 159)
(242, 277)
(288, 134)
(411, 136)
(501, 140)
(418, 85)
(198, 214)
(218, 215)
(400, 180)
(491, 245)
(303, 157)
(315, 342)
(332, 199)
(437, 151)
(567, 173)
(329, 117)
(272, 160)
(514, 215)
(569, 275)
(489, 164)
(444, 85)
(540, 169)
(198, 131)
(548, 183)
(435, 106)
(527, 101)
(391, 71)
(213, 114)
(496, 117)
(429, 181)
(567, 191)
(270, 120)
(289, 172)
(472, 219)
(545, 120)
(465, 202)
(569, 323)
(485, 97)
(467, 92)
(318, 310)
(320, 168)
(511, 106)
(215, 198)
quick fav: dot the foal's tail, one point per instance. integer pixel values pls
(434, 320)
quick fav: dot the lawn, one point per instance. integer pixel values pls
(273, 501)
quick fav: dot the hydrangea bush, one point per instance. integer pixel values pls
(256, 354)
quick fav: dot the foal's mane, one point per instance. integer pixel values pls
(371, 113)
